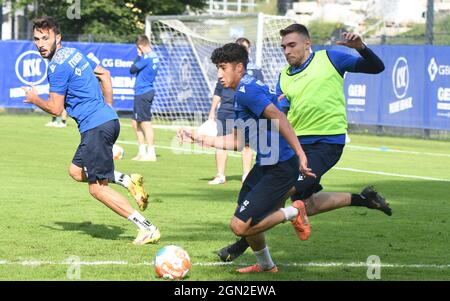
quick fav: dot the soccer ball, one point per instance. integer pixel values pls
(172, 262)
(118, 152)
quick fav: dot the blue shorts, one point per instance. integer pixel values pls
(94, 154)
(264, 188)
(321, 158)
(142, 108)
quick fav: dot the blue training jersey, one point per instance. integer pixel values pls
(226, 108)
(146, 69)
(71, 74)
(251, 99)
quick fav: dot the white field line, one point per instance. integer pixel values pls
(198, 150)
(347, 146)
(389, 150)
(382, 173)
(208, 264)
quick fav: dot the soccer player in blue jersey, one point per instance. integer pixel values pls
(74, 85)
(279, 160)
(145, 67)
(310, 89)
(222, 109)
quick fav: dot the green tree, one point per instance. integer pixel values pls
(106, 20)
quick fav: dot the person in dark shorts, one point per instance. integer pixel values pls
(74, 86)
(279, 156)
(223, 103)
(145, 67)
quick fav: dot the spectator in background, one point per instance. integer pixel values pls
(145, 67)
(223, 103)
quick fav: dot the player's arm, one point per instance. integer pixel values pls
(138, 65)
(369, 62)
(215, 101)
(233, 141)
(104, 76)
(286, 130)
(54, 105)
(283, 102)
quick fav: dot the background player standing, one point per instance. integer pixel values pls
(223, 103)
(145, 67)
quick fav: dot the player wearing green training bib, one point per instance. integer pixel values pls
(310, 90)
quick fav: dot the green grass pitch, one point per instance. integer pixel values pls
(46, 217)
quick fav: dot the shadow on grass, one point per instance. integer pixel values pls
(96, 231)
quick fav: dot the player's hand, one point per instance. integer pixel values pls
(304, 169)
(30, 94)
(351, 40)
(184, 135)
(212, 116)
(281, 97)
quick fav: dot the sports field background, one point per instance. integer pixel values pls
(46, 217)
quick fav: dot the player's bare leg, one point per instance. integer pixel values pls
(263, 258)
(147, 233)
(221, 162)
(326, 201)
(147, 130)
(318, 203)
(111, 198)
(133, 182)
(140, 138)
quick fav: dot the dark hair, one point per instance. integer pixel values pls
(230, 53)
(141, 39)
(46, 23)
(298, 28)
(242, 40)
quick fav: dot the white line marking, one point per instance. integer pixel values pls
(33, 262)
(391, 174)
(389, 150)
(238, 155)
(347, 146)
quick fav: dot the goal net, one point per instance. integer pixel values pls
(186, 77)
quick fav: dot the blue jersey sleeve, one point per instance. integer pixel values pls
(343, 62)
(141, 63)
(254, 97)
(58, 79)
(368, 62)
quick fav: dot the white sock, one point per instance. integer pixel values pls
(121, 179)
(263, 258)
(142, 149)
(141, 222)
(289, 213)
(151, 150)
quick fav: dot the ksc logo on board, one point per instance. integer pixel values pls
(31, 68)
(400, 77)
(400, 84)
